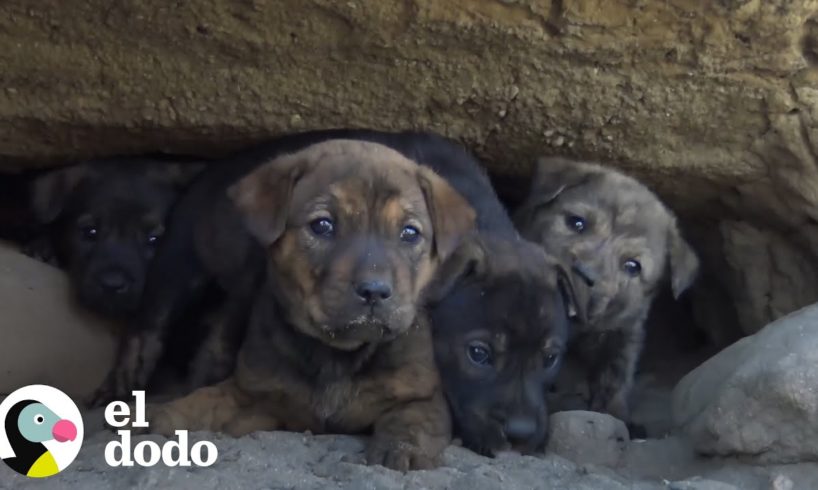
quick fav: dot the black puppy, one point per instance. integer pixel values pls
(102, 221)
(500, 306)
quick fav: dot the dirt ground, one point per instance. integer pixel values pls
(281, 460)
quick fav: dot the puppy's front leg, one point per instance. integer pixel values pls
(223, 407)
(215, 359)
(42, 249)
(175, 280)
(137, 355)
(411, 436)
(612, 379)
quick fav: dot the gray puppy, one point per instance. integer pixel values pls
(619, 238)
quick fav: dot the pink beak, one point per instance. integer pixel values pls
(64, 430)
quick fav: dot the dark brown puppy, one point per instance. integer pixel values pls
(617, 235)
(103, 221)
(353, 232)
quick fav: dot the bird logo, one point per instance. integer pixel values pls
(43, 431)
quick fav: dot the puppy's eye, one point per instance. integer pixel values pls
(550, 360)
(39, 419)
(323, 227)
(410, 234)
(479, 353)
(89, 232)
(632, 267)
(154, 235)
(575, 223)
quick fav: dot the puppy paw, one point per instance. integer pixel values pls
(160, 421)
(399, 455)
(40, 249)
(159, 417)
(637, 431)
(100, 397)
(208, 370)
(134, 365)
(110, 390)
(614, 404)
(487, 441)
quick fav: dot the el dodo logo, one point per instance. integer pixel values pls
(41, 431)
(148, 453)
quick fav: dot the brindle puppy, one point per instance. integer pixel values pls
(499, 308)
(352, 232)
(103, 221)
(620, 238)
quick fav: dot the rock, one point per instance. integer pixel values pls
(781, 482)
(761, 263)
(47, 339)
(672, 460)
(759, 397)
(587, 437)
(700, 484)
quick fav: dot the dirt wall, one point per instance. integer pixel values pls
(712, 103)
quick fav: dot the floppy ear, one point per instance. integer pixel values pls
(684, 264)
(468, 259)
(175, 174)
(552, 175)
(452, 216)
(262, 197)
(50, 192)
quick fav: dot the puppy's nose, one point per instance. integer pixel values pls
(114, 281)
(584, 272)
(520, 428)
(373, 292)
